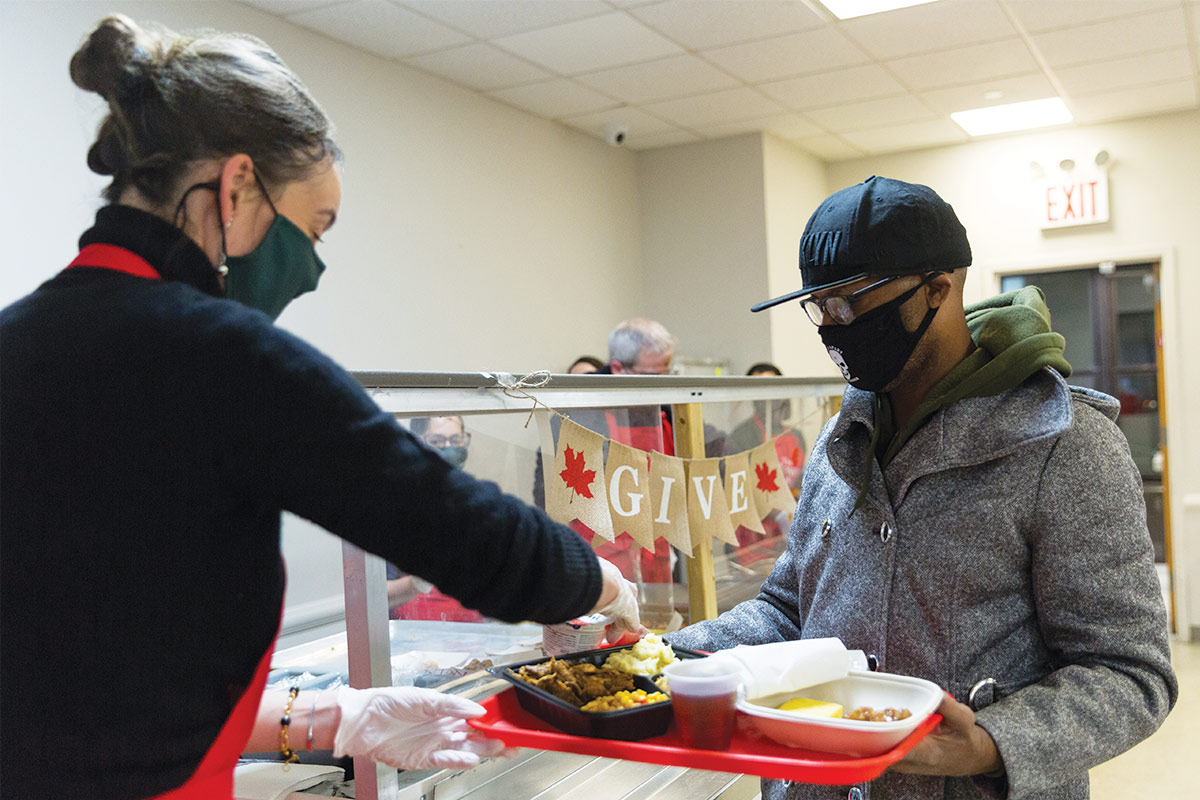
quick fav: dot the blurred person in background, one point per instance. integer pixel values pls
(585, 365)
(411, 597)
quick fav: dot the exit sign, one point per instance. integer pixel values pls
(1075, 198)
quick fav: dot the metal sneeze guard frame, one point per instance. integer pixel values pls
(416, 394)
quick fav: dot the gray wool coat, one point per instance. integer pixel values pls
(1006, 540)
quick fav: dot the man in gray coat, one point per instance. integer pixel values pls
(967, 517)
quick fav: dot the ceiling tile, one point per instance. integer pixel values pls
(715, 108)
(285, 7)
(830, 148)
(1039, 15)
(831, 88)
(787, 126)
(871, 114)
(701, 24)
(658, 80)
(965, 64)
(1016, 89)
(935, 26)
(910, 136)
(638, 124)
(1135, 101)
(610, 40)
(380, 27)
(493, 18)
(1119, 73)
(555, 99)
(479, 66)
(1103, 40)
(785, 56)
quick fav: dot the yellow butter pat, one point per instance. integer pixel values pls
(811, 708)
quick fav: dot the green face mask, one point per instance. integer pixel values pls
(284, 266)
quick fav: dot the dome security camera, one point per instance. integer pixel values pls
(615, 133)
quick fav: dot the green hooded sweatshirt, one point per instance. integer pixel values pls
(1013, 341)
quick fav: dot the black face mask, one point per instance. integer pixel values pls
(873, 349)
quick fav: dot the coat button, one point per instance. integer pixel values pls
(855, 793)
(872, 662)
(826, 529)
(885, 532)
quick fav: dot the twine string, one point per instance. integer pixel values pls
(515, 387)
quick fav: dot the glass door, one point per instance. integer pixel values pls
(1108, 317)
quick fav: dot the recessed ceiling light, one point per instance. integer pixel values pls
(1013, 116)
(848, 9)
(995, 94)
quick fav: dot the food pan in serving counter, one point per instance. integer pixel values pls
(629, 724)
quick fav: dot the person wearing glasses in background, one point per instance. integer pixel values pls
(411, 597)
(967, 517)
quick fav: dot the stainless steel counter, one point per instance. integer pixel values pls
(542, 775)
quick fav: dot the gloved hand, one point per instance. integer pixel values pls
(618, 599)
(410, 728)
(421, 585)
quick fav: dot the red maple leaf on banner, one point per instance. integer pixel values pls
(575, 476)
(766, 477)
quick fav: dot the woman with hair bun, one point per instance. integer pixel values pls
(155, 425)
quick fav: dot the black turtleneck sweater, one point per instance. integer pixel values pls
(151, 433)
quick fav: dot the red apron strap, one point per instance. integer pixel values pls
(109, 256)
(213, 779)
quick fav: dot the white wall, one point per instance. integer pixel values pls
(704, 247)
(472, 236)
(1153, 182)
(794, 186)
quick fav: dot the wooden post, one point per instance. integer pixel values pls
(702, 588)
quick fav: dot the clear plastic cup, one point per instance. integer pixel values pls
(704, 698)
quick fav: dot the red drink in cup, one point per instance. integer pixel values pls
(703, 696)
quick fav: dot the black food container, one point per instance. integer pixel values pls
(629, 724)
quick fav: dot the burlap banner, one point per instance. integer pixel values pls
(766, 476)
(628, 482)
(708, 511)
(743, 511)
(576, 488)
(668, 492)
(654, 496)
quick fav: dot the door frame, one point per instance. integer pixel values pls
(1174, 434)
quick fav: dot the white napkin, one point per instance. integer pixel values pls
(768, 669)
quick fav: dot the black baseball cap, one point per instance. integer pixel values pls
(880, 227)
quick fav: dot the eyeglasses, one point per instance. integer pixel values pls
(840, 307)
(457, 440)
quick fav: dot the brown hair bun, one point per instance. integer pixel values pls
(108, 54)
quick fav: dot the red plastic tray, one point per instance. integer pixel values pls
(507, 721)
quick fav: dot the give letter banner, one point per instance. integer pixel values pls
(708, 513)
(654, 496)
(668, 493)
(576, 489)
(743, 510)
(766, 476)
(628, 481)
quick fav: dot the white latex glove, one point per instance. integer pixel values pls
(623, 608)
(421, 585)
(410, 728)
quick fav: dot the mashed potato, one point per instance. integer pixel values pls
(647, 657)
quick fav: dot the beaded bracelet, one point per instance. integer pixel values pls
(289, 755)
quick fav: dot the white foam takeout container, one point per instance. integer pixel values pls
(850, 737)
